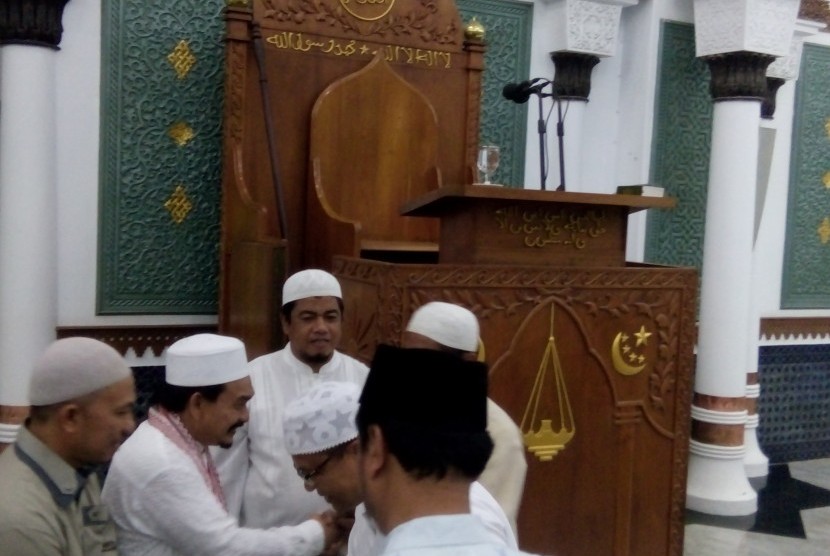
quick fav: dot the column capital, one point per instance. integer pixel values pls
(572, 78)
(32, 22)
(587, 26)
(738, 75)
(761, 26)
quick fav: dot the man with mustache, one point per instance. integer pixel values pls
(82, 395)
(258, 469)
(162, 487)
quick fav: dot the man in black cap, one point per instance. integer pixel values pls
(422, 426)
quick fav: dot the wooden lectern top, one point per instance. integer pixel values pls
(435, 202)
(483, 224)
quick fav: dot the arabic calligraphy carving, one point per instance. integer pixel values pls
(542, 227)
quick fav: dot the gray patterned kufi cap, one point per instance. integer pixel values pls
(322, 418)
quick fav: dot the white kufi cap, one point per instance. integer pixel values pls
(322, 418)
(205, 360)
(310, 283)
(73, 367)
(448, 324)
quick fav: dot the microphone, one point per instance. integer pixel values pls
(520, 92)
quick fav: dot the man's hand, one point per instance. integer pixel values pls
(334, 537)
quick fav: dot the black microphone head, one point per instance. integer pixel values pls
(517, 92)
(509, 91)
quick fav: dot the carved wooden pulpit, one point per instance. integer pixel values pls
(358, 124)
(592, 357)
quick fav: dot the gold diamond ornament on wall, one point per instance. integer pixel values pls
(824, 231)
(182, 59)
(826, 179)
(181, 133)
(178, 205)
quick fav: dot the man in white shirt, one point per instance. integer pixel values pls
(258, 470)
(321, 436)
(162, 487)
(452, 328)
(423, 441)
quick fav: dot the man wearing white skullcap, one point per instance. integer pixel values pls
(258, 470)
(321, 436)
(162, 486)
(82, 395)
(449, 327)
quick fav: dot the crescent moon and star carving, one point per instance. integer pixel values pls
(539, 435)
(629, 359)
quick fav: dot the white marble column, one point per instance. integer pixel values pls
(738, 39)
(586, 31)
(28, 283)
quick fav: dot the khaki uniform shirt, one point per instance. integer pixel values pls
(47, 508)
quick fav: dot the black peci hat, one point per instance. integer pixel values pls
(427, 390)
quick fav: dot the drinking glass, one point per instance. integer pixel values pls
(488, 161)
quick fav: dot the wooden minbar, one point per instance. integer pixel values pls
(591, 356)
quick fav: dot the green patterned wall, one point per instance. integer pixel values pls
(508, 25)
(161, 106)
(161, 143)
(680, 158)
(805, 283)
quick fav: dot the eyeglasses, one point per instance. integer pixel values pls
(308, 476)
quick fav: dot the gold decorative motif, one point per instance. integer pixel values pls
(181, 133)
(182, 59)
(542, 227)
(545, 442)
(178, 205)
(627, 361)
(474, 30)
(827, 126)
(367, 10)
(824, 231)
(826, 179)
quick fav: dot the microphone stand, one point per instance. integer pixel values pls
(560, 134)
(542, 128)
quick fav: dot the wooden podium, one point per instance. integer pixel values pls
(590, 356)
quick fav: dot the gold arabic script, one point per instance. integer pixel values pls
(300, 42)
(542, 227)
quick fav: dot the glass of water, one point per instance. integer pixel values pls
(488, 161)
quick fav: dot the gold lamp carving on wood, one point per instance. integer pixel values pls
(540, 437)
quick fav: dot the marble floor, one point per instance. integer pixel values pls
(793, 518)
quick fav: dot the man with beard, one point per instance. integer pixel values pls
(162, 487)
(258, 470)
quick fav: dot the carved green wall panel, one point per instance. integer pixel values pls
(805, 283)
(680, 158)
(161, 106)
(508, 26)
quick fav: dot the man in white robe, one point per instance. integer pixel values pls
(258, 470)
(423, 441)
(452, 328)
(321, 436)
(162, 487)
